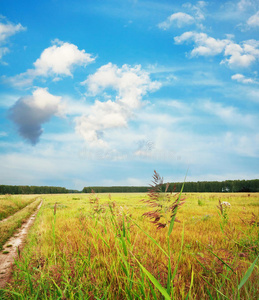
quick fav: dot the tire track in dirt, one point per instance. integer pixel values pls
(7, 260)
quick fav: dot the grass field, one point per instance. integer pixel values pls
(102, 247)
(10, 204)
(15, 221)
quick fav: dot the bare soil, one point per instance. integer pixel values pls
(11, 246)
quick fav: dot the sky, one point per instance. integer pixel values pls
(104, 92)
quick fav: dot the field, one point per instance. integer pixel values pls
(14, 211)
(10, 204)
(88, 246)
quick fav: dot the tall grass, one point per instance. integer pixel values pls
(117, 253)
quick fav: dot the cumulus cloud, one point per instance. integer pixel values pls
(237, 55)
(8, 29)
(205, 45)
(180, 19)
(241, 78)
(30, 112)
(242, 55)
(55, 61)
(253, 21)
(130, 84)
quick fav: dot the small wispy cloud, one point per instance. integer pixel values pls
(241, 78)
(253, 21)
(7, 29)
(229, 114)
(180, 19)
(3, 134)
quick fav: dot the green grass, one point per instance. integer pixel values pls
(9, 227)
(106, 249)
(10, 204)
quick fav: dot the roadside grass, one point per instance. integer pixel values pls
(8, 228)
(10, 204)
(102, 247)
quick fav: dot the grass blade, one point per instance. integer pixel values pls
(222, 261)
(150, 237)
(174, 216)
(248, 273)
(161, 289)
(187, 297)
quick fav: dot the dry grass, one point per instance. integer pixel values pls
(10, 204)
(101, 246)
(8, 228)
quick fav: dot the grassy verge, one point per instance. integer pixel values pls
(10, 204)
(8, 227)
(102, 247)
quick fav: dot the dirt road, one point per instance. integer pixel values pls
(7, 260)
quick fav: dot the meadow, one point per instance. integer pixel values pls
(130, 246)
(14, 211)
(10, 204)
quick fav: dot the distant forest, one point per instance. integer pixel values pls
(228, 186)
(25, 189)
(231, 186)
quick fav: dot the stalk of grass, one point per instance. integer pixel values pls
(248, 273)
(54, 231)
(161, 289)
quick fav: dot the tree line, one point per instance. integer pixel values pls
(25, 189)
(116, 189)
(231, 186)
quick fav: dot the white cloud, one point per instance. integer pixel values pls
(242, 55)
(9, 29)
(3, 51)
(57, 60)
(6, 30)
(3, 134)
(180, 19)
(245, 145)
(229, 114)
(30, 112)
(253, 21)
(241, 78)
(130, 85)
(205, 45)
(243, 5)
(198, 9)
(238, 55)
(60, 58)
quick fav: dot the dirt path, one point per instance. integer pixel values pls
(7, 260)
(16, 212)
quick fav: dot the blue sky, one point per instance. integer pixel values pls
(105, 92)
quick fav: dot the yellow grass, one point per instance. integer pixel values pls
(10, 204)
(79, 252)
